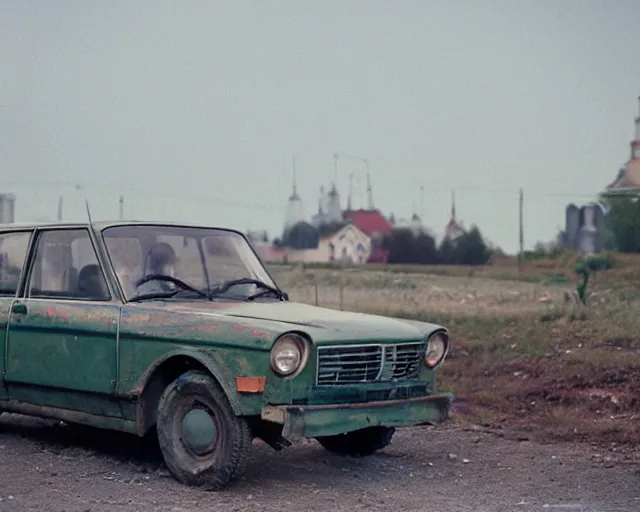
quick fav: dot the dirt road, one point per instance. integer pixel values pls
(48, 467)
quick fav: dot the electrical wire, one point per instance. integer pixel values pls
(118, 187)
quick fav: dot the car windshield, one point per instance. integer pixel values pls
(184, 262)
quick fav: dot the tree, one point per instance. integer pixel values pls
(472, 249)
(400, 246)
(406, 247)
(301, 236)
(447, 251)
(468, 249)
(623, 222)
(424, 249)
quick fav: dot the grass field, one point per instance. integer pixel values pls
(526, 355)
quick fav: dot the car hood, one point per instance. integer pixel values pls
(320, 323)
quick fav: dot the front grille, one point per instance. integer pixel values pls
(355, 364)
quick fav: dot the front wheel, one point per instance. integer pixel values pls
(202, 441)
(358, 443)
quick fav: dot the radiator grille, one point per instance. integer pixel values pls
(355, 364)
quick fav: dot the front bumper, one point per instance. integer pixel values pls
(332, 419)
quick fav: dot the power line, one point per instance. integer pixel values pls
(119, 187)
(499, 196)
(145, 191)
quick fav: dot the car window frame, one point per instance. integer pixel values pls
(27, 259)
(40, 231)
(100, 235)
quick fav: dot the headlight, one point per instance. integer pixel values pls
(437, 347)
(289, 355)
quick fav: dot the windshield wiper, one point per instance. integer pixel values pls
(154, 295)
(267, 289)
(183, 287)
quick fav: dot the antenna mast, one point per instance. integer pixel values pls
(369, 191)
(86, 202)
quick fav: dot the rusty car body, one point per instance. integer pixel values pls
(212, 357)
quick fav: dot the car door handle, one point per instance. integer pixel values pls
(19, 308)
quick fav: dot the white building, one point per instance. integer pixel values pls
(348, 244)
(295, 209)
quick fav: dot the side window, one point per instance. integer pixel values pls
(66, 266)
(13, 253)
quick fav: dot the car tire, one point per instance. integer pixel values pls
(359, 443)
(202, 441)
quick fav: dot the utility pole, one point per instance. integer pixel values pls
(349, 205)
(422, 204)
(121, 207)
(366, 163)
(60, 209)
(521, 237)
(369, 191)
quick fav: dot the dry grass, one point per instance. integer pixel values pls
(524, 356)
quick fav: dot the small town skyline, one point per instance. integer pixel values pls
(524, 96)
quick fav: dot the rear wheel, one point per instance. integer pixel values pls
(358, 443)
(202, 441)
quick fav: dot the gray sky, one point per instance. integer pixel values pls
(193, 110)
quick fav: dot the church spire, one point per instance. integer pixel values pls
(638, 122)
(453, 204)
(369, 189)
(294, 193)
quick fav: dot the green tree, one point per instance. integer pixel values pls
(447, 250)
(425, 250)
(623, 222)
(406, 247)
(468, 249)
(400, 246)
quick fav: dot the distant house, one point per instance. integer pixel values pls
(374, 225)
(269, 253)
(348, 244)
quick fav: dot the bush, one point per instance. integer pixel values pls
(602, 261)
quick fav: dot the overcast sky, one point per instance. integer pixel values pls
(193, 110)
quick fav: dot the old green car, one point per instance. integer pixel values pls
(153, 327)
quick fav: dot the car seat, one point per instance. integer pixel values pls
(91, 283)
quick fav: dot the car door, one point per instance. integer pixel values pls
(14, 245)
(62, 333)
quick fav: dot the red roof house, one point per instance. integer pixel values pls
(373, 224)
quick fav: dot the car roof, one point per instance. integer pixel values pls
(101, 225)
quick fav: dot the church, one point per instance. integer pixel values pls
(333, 234)
(585, 226)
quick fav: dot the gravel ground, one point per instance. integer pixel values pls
(49, 467)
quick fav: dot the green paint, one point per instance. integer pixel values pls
(90, 361)
(5, 304)
(327, 420)
(64, 345)
(198, 431)
(90, 403)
